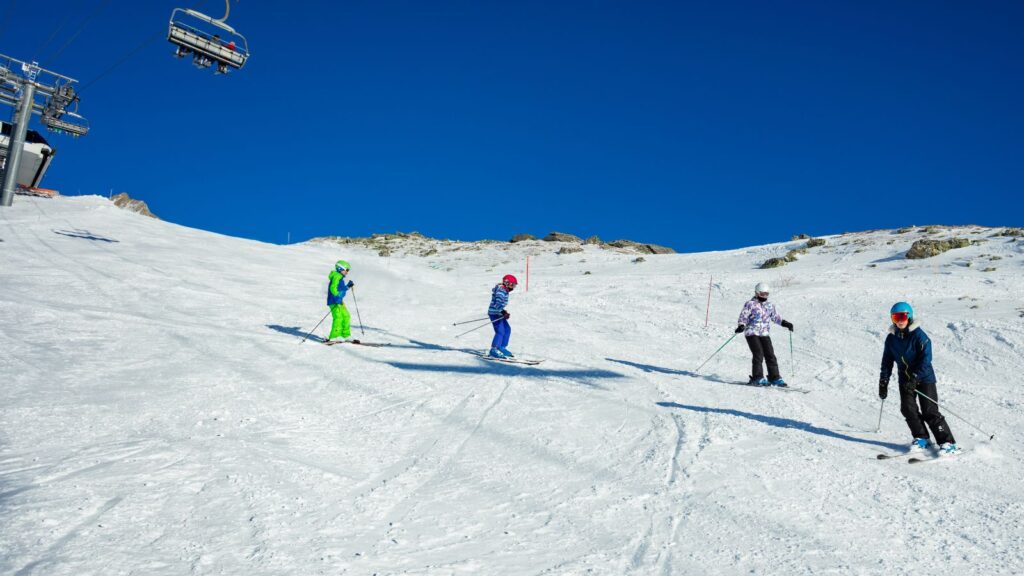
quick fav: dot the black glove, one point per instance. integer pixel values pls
(350, 284)
(787, 324)
(883, 388)
(505, 314)
(741, 328)
(907, 388)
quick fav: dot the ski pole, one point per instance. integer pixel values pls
(716, 352)
(480, 326)
(990, 437)
(879, 429)
(356, 302)
(470, 321)
(792, 363)
(315, 327)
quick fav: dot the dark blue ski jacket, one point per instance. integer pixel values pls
(911, 351)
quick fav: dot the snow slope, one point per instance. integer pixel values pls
(158, 414)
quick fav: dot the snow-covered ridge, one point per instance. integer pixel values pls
(158, 414)
(414, 243)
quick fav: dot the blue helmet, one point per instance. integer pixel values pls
(902, 307)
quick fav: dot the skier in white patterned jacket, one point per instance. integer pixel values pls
(755, 322)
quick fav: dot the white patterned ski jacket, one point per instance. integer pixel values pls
(758, 317)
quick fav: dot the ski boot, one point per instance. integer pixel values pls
(948, 449)
(505, 351)
(757, 381)
(495, 353)
(918, 445)
(779, 382)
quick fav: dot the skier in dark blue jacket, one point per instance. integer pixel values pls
(910, 349)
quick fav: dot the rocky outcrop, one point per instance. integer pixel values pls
(124, 201)
(523, 237)
(569, 250)
(642, 248)
(563, 237)
(929, 248)
(655, 249)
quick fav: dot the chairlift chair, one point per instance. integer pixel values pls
(68, 123)
(207, 39)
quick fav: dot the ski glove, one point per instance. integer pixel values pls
(740, 328)
(787, 324)
(907, 388)
(505, 314)
(883, 388)
(350, 284)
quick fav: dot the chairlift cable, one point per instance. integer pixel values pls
(123, 59)
(53, 35)
(99, 8)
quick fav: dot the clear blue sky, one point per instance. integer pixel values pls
(695, 125)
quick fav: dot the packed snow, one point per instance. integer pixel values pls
(161, 414)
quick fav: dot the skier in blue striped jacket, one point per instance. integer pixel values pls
(499, 317)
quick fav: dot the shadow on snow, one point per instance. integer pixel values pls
(505, 368)
(675, 372)
(783, 423)
(300, 332)
(294, 331)
(83, 234)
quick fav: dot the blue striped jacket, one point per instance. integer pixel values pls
(499, 299)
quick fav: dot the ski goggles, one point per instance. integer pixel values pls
(509, 285)
(900, 317)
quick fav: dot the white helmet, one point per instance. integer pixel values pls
(762, 288)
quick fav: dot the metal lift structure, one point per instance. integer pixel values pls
(30, 89)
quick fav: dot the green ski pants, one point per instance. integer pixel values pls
(341, 326)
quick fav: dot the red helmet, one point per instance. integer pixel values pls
(509, 279)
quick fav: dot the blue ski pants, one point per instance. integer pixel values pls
(502, 331)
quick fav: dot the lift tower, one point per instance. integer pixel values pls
(30, 89)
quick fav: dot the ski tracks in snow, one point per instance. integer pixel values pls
(383, 502)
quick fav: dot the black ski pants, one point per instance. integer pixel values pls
(927, 414)
(761, 348)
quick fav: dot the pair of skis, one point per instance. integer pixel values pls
(919, 457)
(513, 360)
(786, 388)
(358, 342)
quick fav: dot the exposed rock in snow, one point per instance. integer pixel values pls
(122, 200)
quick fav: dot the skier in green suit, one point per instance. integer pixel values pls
(336, 290)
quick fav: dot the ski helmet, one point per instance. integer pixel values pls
(762, 288)
(902, 308)
(341, 266)
(509, 279)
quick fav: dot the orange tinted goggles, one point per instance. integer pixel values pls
(900, 317)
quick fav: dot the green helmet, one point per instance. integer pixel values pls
(342, 265)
